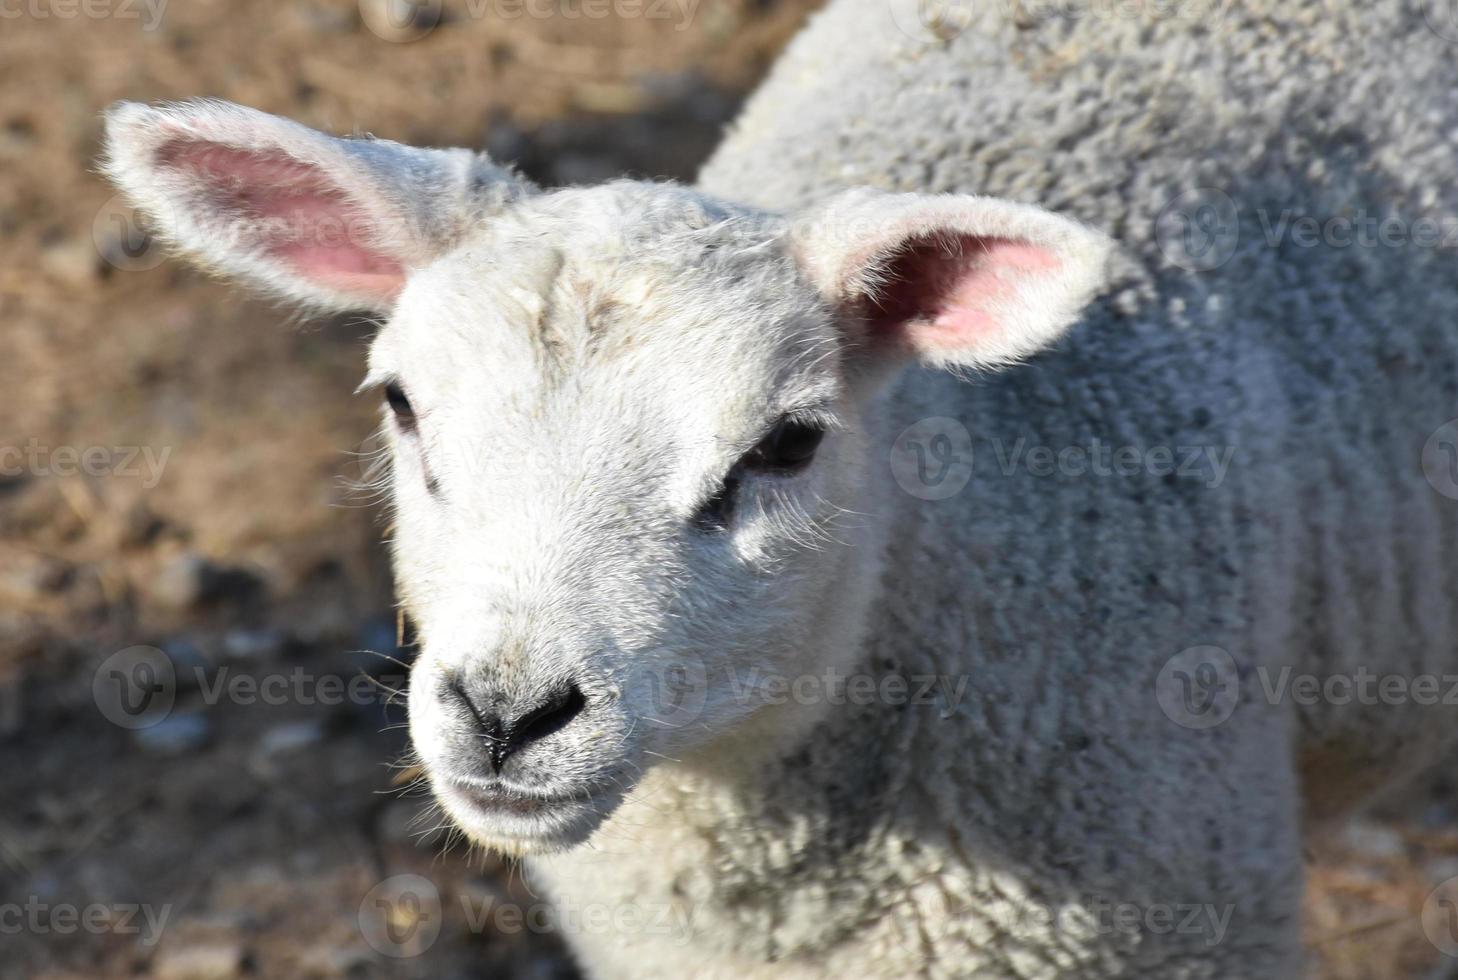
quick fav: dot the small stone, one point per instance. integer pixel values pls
(28, 578)
(175, 735)
(184, 582)
(17, 138)
(190, 664)
(205, 961)
(290, 737)
(252, 644)
(329, 962)
(73, 263)
(1441, 869)
(1374, 840)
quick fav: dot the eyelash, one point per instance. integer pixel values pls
(786, 450)
(400, 405)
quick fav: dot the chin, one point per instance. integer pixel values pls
(518, 824)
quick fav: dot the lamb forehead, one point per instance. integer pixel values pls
(639, 285)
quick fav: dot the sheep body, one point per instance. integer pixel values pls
(996, 835)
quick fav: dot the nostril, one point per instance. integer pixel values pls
(554, 714)
(503, 738)
(489, 721)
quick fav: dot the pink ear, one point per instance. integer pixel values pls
(951, 279)
(290, 212)
(337, 224)
(945, 293)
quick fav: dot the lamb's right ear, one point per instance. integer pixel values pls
(333, 223)
(951, 279)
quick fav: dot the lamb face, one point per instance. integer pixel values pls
(631, 427)
(621, 483)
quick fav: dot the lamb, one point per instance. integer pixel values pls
(768, 575)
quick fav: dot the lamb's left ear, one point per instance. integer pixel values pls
(334, 223)
(954, 280)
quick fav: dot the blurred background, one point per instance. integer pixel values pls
(181, 512)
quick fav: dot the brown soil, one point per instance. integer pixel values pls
(258, 826)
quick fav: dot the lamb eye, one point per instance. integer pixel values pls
(400, 405)
(788, 448)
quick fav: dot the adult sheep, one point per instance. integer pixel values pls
(663, 454)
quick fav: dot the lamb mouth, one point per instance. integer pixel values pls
(499, 799)
(520, 823)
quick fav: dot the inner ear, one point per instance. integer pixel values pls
(292, 212)
(949, 287)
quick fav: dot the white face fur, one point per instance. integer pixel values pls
(627, 424)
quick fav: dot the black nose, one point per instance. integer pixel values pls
(508, 728)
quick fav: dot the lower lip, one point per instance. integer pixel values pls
(495, 801)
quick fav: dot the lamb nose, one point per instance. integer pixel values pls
(506, 733)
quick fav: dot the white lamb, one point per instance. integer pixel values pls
(708, 634)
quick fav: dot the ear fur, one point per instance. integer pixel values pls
(955, 280)
(328, 222)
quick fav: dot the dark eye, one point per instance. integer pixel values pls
(789, 447)
(400, 405)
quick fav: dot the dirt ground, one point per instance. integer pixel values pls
(188, 482)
